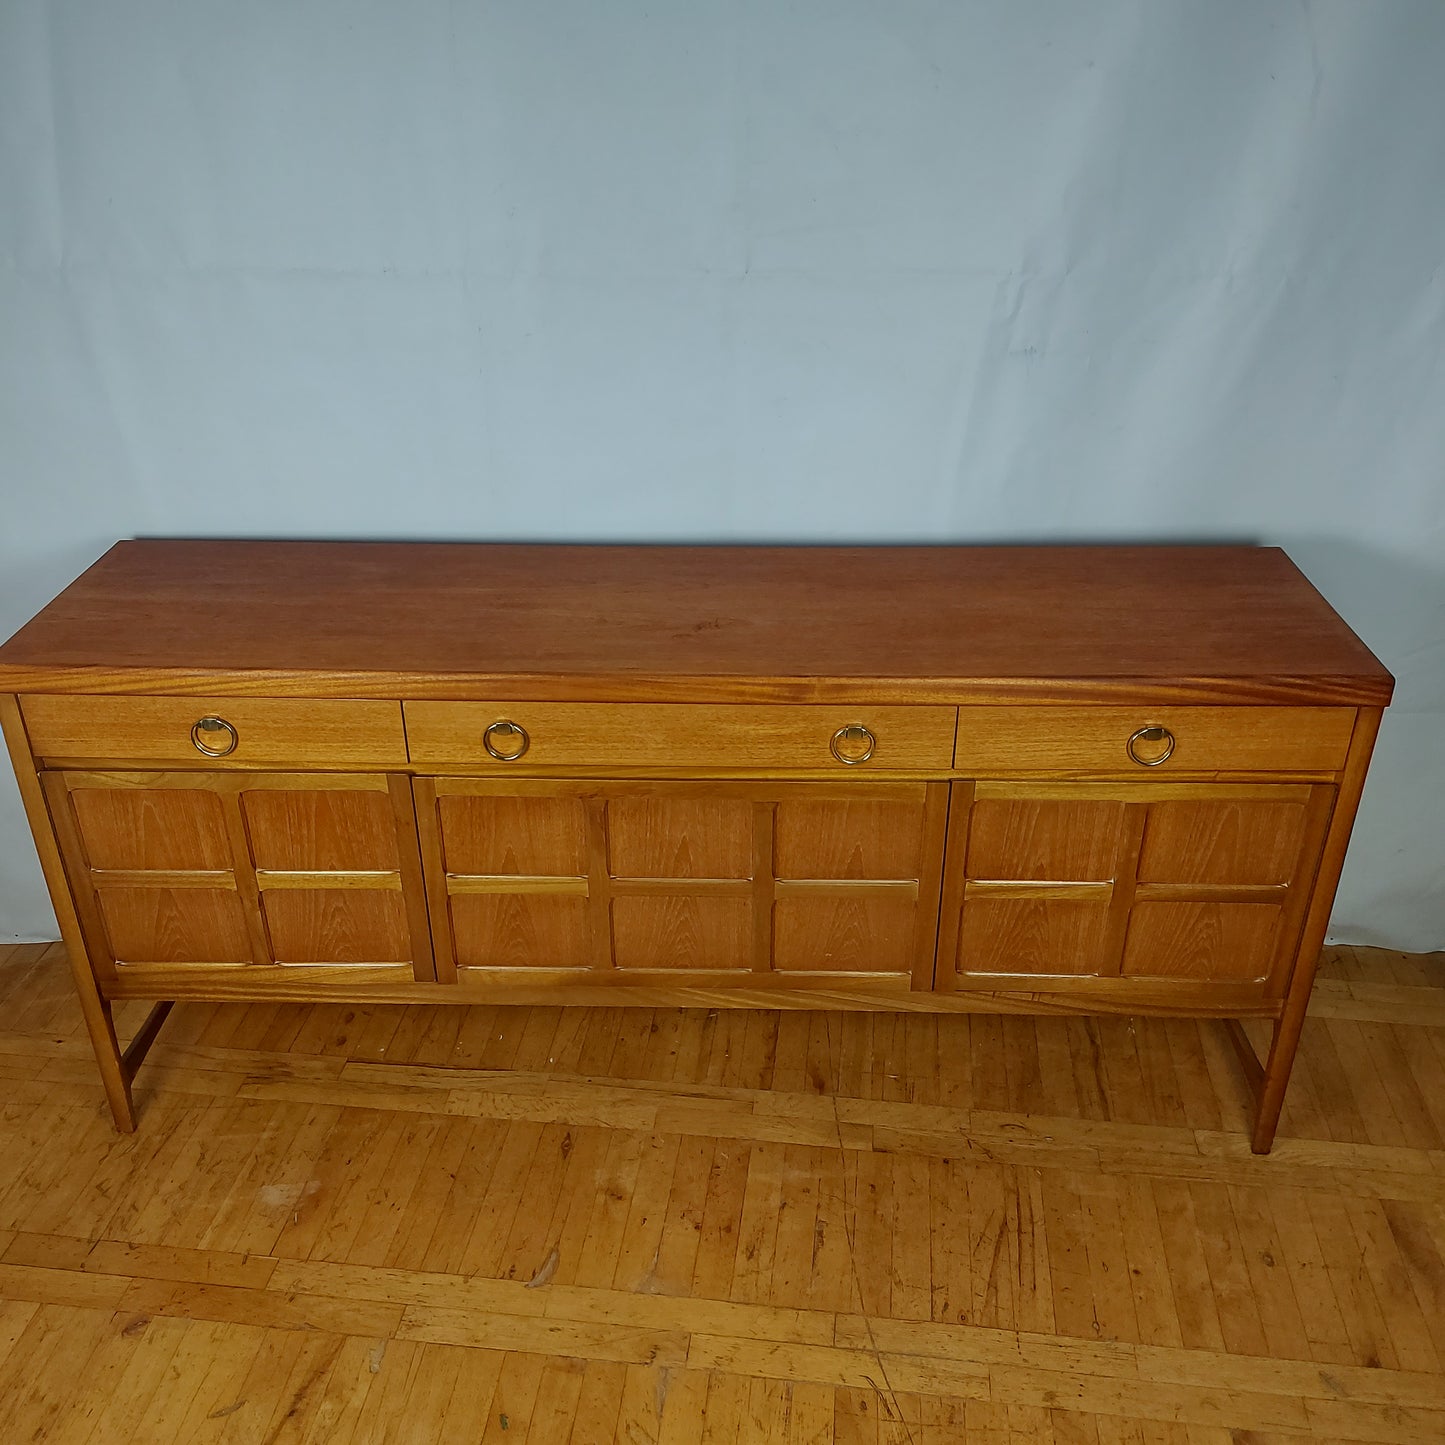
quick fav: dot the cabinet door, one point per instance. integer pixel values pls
(187, 870)
(1071, 885)
(786, 883)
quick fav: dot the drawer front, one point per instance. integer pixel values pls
(255, 732)
(611, 736)
(1196, 739)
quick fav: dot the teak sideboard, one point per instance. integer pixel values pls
(1087, 779)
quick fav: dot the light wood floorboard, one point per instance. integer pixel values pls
(349, 1225)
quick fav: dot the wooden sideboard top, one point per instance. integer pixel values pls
(718, 623)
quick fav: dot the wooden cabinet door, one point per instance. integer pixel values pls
(184, 871)
(1102, 886)
(718, 881)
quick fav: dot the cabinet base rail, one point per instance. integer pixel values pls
(1266, 1081)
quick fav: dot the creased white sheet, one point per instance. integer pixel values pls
(743, 270)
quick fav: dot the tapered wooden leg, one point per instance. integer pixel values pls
(1277, 1067)
(1266, 1081)
(114, 1076)
(118, 1066)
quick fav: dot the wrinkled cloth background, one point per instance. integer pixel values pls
(743, 270)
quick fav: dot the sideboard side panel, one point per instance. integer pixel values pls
(95, 1009)
(1316, 922)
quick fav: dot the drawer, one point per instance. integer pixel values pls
(267, 731)
(1198, 739)
(700, 737)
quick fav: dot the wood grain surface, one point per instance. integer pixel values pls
(543, 1226)
(800, 624)
(227, 868)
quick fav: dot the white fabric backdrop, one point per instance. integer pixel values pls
(743, 269)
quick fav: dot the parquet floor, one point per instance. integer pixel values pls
(542, 1225)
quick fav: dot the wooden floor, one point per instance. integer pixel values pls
(541, 1225)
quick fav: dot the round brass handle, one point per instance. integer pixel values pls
(1159, 743)
(852, 744)
(506, 741)
(214, 736)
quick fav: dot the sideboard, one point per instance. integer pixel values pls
(1039, 779)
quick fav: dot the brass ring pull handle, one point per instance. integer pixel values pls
(852, 744)
(1159, 746)
(506, 741)
(214, 737)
